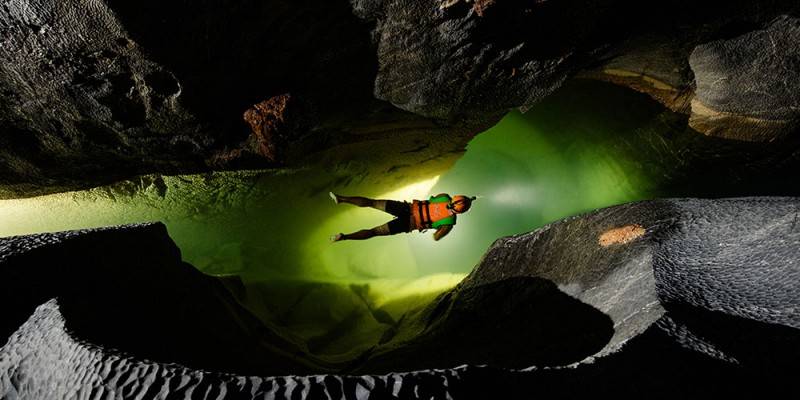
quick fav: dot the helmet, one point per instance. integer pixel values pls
(461, 203)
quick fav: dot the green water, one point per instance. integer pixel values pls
(570, 154)
(590, 145)
(528, 173)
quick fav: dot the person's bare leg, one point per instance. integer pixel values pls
(364, 234)
(362, 201)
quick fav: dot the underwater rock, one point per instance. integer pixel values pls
(747, 86)
(702, 303)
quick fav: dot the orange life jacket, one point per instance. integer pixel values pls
(431, 214)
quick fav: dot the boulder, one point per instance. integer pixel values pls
(126, 289)
(700, 291)
(451, 58)
(747, 86)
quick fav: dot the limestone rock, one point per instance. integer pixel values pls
(747, 86)
(95, 92)
(700, 304)
(450, 59)
(126, 288)
(655, 65)
(709, 289)
(272, 125)
(44, 361)
(80, 97)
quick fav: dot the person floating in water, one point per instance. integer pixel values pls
(439, 212)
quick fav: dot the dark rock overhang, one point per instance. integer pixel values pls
(91, 95)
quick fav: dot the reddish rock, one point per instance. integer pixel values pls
(480, 6)
(271, 127)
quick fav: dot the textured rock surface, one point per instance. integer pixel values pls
(44, 361)
(704, 303)
(655, 65)
(273, 122)
(449, 59)
(747, 86)
(707, 276)
(126, 288)
(721, 73)
(93, 92)
(724, 255)
(80, 97)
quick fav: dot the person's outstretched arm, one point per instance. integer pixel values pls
(442, 231)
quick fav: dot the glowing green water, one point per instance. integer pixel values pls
(589, 146)
(526, 176)
(557, 160)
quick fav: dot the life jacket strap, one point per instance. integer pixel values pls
(425, 213)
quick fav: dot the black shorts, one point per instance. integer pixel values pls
(401, 210)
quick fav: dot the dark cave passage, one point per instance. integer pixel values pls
(588, 146)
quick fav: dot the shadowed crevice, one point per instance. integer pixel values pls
(512, 323)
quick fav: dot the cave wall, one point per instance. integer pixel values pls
(100, 91)
(127, 289)
(685, 284)
(696, 299)
(82, 100)
(96, 92)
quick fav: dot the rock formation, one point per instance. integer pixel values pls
(127, 289)
(684, 298)
(702, 302)
(96, 92)
(747, 86)
(100, 91)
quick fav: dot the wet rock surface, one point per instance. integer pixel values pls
(702, 303)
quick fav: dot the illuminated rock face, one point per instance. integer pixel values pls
(698, 263)
(702, 303)
(728, 84)
(47, 362)
(126, 288)
(747, 86)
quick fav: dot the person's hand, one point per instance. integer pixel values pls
(442, 232)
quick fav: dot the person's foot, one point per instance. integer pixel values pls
(337, 237)
(334, 197)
